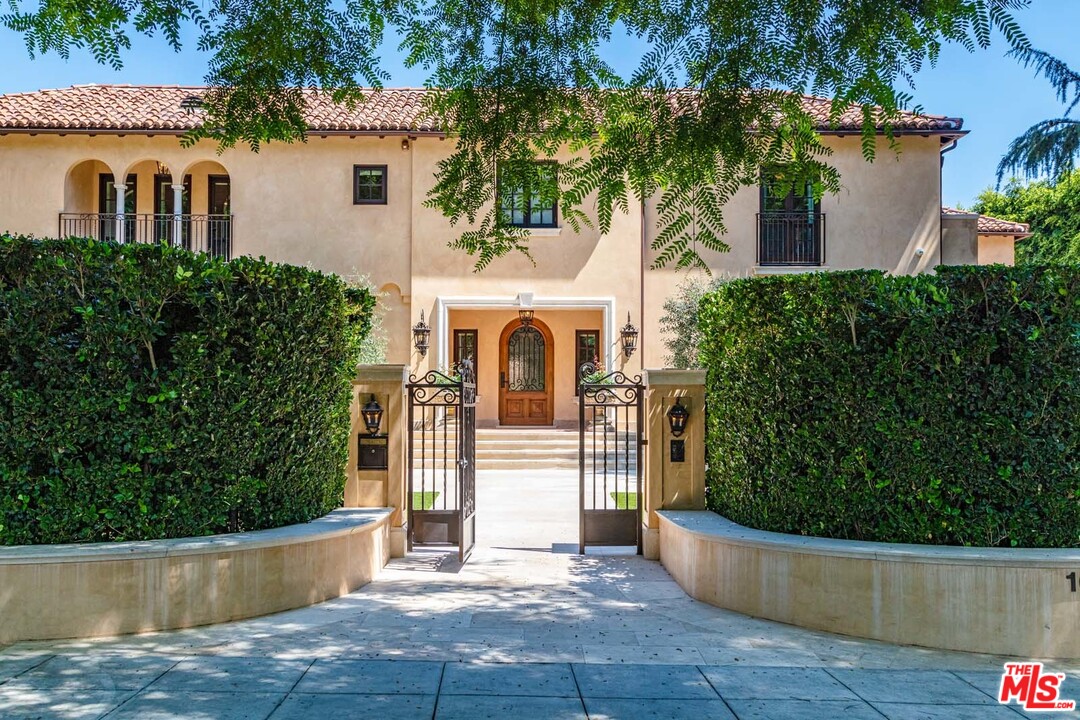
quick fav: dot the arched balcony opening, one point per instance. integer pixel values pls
(153, 204)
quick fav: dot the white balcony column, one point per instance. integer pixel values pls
(121, 189)
(178, 213)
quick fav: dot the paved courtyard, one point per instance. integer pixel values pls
(526, 629)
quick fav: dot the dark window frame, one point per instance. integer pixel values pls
(383, 170)
(789, 200)
(790, 229)
(528, 209)
(578, 334)
(458, 333)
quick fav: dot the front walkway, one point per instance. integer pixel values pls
(526, 629)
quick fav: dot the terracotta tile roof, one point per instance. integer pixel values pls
(991, 225)
(851, 119)
(158, 107)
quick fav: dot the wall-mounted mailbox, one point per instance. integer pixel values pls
(678, 451)
(373, 452)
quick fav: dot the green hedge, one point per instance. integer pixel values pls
(148, 392)
(938, 409)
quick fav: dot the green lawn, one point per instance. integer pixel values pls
(424, 500)
(624, 500)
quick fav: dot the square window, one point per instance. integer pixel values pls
(369, 184)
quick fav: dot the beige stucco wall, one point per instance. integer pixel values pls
(959, 239)
(997, 249)
(884, 213)
(67, 591)
(293, 203)
(989, 600)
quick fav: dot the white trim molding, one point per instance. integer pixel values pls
(443, 305)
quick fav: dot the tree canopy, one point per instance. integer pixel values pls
(714, 99)
(1053, 210)
(1049, 147)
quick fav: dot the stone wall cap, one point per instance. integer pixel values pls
(381, 373)
(675, 376)
(343, 521)
(708, 525)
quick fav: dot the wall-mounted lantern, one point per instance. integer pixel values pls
(629, 335)
(677, 417)
(372, 414)
(526, 317)
(420, 334)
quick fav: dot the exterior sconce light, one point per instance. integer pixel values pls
(420, 334)
(677, 417)
(404, 143)
(629, 335)
(372, 414)
(190, 104)
(526, 317)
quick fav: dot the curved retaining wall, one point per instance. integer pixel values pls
(68, 591)
(992, 600)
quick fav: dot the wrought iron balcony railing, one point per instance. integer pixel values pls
(791, 238)
(200, 233)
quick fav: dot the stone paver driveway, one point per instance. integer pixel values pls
(525, 630)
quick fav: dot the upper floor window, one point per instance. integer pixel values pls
(369, 184)
(527, 204)
(791, 226)
(779, 196)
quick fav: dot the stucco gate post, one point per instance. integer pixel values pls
(381, 488)
(672, 485)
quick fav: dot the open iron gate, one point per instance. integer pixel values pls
(442, 459)
(611, 421)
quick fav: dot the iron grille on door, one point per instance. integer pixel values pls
(526, 361)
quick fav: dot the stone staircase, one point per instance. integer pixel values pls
(525, 448)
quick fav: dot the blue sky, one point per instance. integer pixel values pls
(997, 98)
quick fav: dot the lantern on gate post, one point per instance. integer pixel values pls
(677, 417)
(372, 414)
(373, 448)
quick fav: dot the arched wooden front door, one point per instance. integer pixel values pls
(526, 374)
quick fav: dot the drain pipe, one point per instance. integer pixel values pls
(641, 288)
(949, 147)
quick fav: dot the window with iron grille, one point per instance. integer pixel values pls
(790, 224)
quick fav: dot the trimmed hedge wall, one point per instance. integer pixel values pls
(149, 392)
(938, 409)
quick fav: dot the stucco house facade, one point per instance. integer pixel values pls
(106, 161)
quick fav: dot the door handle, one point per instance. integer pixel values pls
(502, 379)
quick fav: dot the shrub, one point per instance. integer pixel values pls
(148, 392)
(937, 409)
(679, 323)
